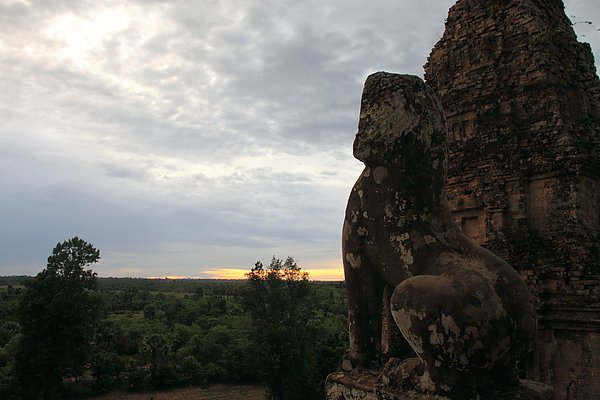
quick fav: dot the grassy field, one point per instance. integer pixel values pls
(214, 392)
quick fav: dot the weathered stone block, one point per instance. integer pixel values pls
(365, 386)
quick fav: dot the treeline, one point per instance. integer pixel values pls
(277, 328)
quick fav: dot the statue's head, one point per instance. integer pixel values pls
(401, 124)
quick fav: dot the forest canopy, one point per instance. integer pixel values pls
(139, 334)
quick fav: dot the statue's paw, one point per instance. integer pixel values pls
(402, 373)
(357, 362)
(347, 363)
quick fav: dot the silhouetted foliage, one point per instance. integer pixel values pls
(57, 314)
(278, 302)
(206, 334)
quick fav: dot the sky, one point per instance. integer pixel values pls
(194, 138)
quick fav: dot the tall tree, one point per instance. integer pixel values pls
(154, 351)
(277, 301)
(57, 314)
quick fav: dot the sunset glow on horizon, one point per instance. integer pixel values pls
(323, 274)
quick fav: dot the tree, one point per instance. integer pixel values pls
(277, 302)
(57, 314)
(154, 351)
(106, 365)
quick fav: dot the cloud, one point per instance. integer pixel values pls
(185, 137)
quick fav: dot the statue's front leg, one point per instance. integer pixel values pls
(365, 293)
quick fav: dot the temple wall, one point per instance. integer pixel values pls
(522, 102)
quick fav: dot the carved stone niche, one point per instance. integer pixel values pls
(588, 204)
(540, 199)
(566, 197)
(497, 219)
(462, 125)
(469, 215)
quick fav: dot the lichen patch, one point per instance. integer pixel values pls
(450, 325)
(353, 260)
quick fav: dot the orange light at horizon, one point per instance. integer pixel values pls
(321, 274)
(225, 273)
(169, 277)
(326, 274)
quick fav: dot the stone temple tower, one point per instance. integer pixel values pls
(522, 101)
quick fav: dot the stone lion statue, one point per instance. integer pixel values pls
(465, 316)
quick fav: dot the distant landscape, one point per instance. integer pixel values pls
(151, 335)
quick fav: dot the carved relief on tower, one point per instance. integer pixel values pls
(469, 215)
(516, 201)
(539, 200)
(588, 201)
(550, 199)
(461, 127)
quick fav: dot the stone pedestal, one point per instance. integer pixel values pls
(364, 386)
